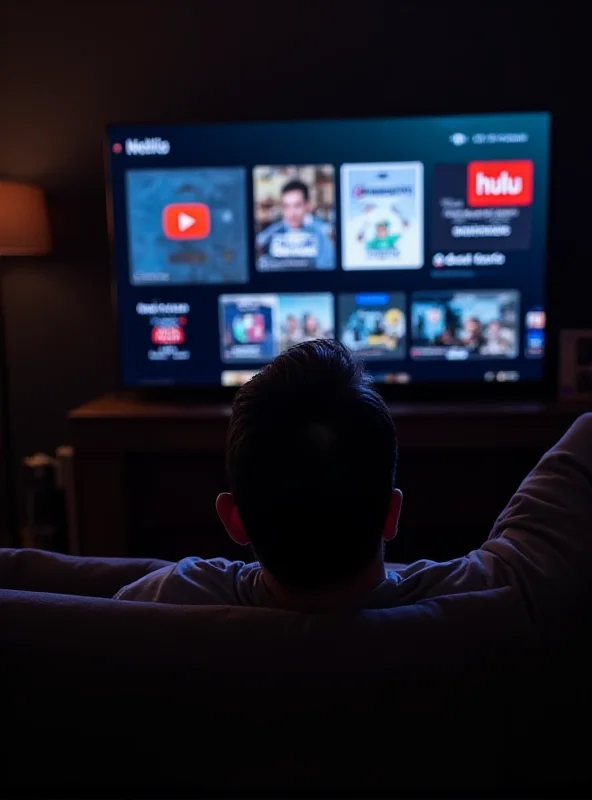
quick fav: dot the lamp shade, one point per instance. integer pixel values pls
(24, 224)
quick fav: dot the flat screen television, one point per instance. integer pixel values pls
(419, 242)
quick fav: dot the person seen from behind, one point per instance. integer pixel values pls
(312, 465)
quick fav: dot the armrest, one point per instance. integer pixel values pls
(40, 571)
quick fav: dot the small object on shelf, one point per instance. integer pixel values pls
(575, 374)
(44, 525)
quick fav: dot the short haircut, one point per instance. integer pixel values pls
(311, 458)
(296, 186)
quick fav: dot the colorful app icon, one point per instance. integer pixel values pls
(168, 334)
(536, 320)
(186, 221)
(499, 183)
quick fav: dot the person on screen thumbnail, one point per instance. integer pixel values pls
(498, 341)
(307, 329)
(292, 332)
(297, 216)
(472, 336)
(311, 327)
(380, 233)
(312, 464)
(448, 338)
(383, 240)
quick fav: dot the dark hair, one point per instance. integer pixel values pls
(311, 457)
(296, 186)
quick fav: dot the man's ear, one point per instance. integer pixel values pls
(228, 513)
(392, 519)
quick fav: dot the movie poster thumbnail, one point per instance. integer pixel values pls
(294, 209)
(373, 324)
(465, 325)
(382, 216)
(257, 327)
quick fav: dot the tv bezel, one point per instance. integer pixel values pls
(543, 390)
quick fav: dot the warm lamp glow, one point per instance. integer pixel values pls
(24, 225)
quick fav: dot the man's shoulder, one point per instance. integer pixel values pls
(191, 566)
(215, 580)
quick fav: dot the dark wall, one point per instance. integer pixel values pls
(68, 68)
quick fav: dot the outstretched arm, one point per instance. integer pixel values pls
(544, 536)
(149, 588)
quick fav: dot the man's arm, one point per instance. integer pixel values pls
(541, 545)
(544, 536)
(192, 581)
(147, 589)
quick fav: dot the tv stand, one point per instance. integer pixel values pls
(147, 473)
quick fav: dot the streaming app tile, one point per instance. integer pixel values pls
(483, 205)
(187, 226)
(167, 330)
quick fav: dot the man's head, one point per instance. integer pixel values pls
(295, 203)
(311, 457)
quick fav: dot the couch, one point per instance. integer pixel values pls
(455, 694)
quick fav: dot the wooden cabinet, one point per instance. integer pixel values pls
(147, 474)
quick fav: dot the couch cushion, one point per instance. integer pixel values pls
(40, 571)
(247, 643)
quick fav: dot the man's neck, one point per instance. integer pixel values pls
(327, 600)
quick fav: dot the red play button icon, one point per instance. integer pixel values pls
(186, 221)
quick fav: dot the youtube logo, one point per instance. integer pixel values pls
(499, 183)
(186, 221)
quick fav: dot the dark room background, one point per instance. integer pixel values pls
(68, 68)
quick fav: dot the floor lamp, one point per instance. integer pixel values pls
(24, 231)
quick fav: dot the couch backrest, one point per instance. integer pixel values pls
(78, 633)
(443, 694)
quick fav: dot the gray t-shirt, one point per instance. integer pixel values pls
(541, 545)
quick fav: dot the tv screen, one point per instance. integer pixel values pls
(420, 243)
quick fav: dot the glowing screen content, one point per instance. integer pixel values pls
(419, 243)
